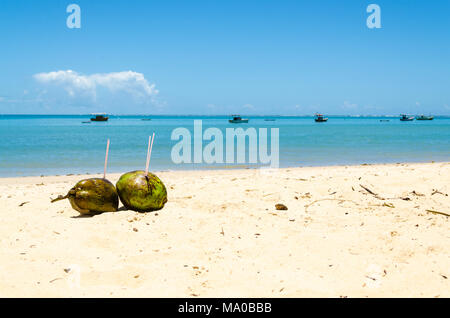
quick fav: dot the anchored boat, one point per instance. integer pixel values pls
(99, 117)
(423, 117)
(404, 117)
(320, 119)
(238, 120)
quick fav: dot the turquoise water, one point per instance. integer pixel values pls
(50, 145)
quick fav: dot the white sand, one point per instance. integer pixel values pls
(220, 236)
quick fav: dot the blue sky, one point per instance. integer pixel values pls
(223, 57)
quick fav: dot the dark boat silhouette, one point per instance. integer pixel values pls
(238, 120)
(404, 117)
(320, 119)
(99, 117)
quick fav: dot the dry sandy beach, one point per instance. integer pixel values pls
(351, 231)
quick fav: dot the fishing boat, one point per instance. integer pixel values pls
(404, 117)
(99, 117)
(320, 119)
(238, 120)
(423, 117)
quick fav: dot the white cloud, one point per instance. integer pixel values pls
(77, 84)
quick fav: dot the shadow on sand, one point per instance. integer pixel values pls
(87, 216)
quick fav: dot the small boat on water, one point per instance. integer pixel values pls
(238, 120)
(320, 119)
(99, 117)
(423, 117)
(146, 119)
(404, 117)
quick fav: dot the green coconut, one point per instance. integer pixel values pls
(140, 192)
(91, 196)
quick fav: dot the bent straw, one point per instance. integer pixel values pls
(106, 159)
(149, 152)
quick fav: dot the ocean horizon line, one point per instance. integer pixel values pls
(225, 115)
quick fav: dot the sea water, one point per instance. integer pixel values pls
(52, 145)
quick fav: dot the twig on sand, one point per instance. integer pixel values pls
(437, 212)
(435, 191)
(327, 199)
(376, 195)
(371, 192)
(55, 279)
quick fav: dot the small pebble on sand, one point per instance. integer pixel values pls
(280, 206)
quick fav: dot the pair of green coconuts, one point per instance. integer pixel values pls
(137, 191)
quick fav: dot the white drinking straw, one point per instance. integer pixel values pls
(106, 159)
(149, 152)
